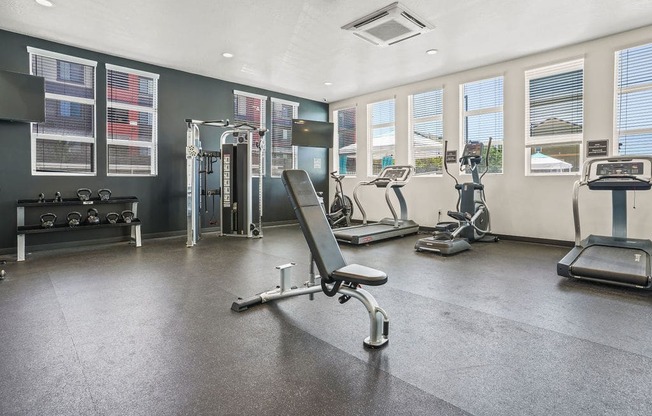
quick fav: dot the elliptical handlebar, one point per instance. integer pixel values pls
(446, 164)
(486, 159)
(337, 176)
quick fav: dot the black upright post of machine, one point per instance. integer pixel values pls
(472, 216)
(615, 259)
(236, 200)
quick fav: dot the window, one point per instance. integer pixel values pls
(131, 122)
(426, 132)
(482, 117)
(283, 153)
(381, 135)
(250, 108)
(65, 143)
(554, 118)
(346, 142)
(634, 100)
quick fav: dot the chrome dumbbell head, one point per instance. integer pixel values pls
(48, 220)
(73, 218)
(84, 194)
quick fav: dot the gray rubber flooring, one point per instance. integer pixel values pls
(116, 330)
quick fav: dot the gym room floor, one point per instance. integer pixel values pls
(114, 330)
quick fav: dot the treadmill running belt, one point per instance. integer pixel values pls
(617, 264)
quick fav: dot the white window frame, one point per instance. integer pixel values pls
(617, 92)
(577, 138)
(336, 144)
(153, 145)
(370, 128)
(486, 110)
(263, 123)
(295, 114)
(87, 101)
(412, 121)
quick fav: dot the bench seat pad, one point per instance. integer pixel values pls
(356, 273)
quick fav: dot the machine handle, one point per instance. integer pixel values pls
(486, 159)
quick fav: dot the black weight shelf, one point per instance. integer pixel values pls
(75, 201)
(37, 229)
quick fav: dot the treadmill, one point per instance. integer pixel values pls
(391, 178)
(614, 259)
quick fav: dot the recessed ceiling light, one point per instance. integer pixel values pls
(327, 83)
(46, 3)
(432, 51)
(225, 54)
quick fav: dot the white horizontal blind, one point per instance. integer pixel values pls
(554, 118)
(556, 101)
(250, 108)
(131, 122)
(427, 131)
(482, 117)
(346, 141)
(65, 142)
(634, 100)
(283, 153)
(382, 130)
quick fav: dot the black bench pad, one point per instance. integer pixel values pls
(356, 273)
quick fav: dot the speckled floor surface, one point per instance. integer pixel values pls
(116, 330)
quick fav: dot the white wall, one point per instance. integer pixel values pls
(529, 206)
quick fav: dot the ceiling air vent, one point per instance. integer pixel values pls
(389, 25)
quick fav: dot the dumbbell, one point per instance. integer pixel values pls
(92, 216)
(57, 197)
(84, 194)
(104, 194)
(41, 197)
(48, 220)
(112, 217)
(127, 216)
(73, 219)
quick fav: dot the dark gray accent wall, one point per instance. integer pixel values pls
(162, 198)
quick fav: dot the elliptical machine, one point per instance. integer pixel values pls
(472, 215)
(341, 209)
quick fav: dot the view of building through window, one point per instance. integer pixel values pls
(634, 100)
(482, 117)
(346, 141)
(65, 142)
(382, 135)
(131, 122)
(427, 130)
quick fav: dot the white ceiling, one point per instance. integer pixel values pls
(294, 46)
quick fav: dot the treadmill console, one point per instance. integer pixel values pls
(626, 173)
(620, 168)
(398, 175)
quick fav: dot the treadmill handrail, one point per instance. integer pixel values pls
(391, 184)
(576, 212)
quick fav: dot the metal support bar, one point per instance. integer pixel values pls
(378, 318)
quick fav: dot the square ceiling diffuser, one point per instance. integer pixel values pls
(389, 25)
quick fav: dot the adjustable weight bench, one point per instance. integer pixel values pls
(335, 274)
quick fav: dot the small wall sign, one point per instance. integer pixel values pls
(595, 148)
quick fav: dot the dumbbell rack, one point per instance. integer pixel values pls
(22, 230)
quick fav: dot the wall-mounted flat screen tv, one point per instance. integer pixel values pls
(312, 133)
(22, 97)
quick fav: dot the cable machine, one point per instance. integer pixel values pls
(236, 190)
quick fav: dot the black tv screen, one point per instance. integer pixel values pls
(312, 133)
(22, 97)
